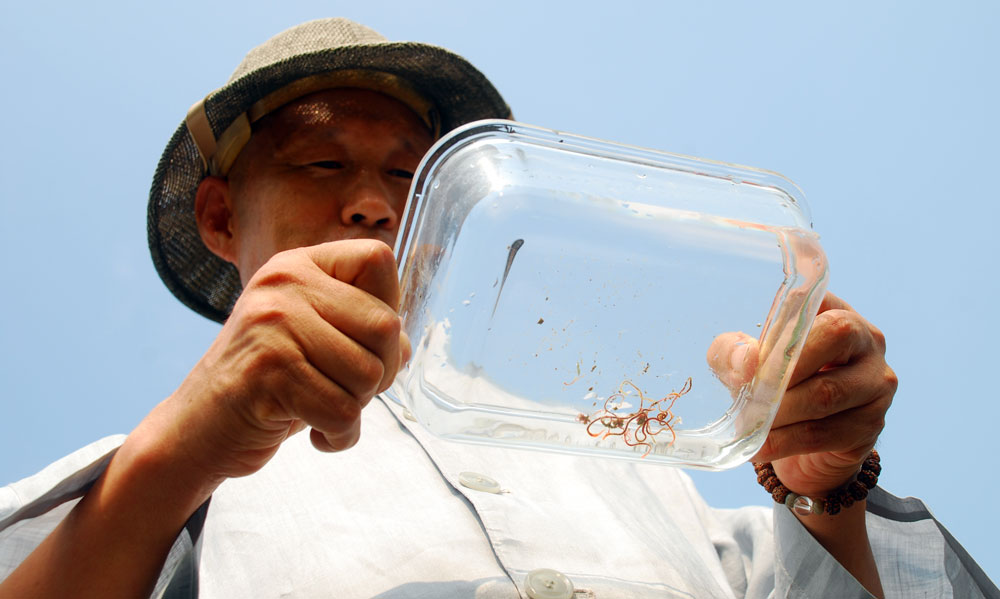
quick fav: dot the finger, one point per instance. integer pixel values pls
(837, 336)
(332, 443)
(851, 432)
(367, 264)
(350, 336)
(351, 365)
(345, 438)
(375, 332)
(405, 349)
(356, 302)
(836, 390)
(733, 358)
(310, 397)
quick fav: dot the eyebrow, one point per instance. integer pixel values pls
(405, 143)
(303, 134)
(292, 138)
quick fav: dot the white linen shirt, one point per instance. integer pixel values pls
(390, 518)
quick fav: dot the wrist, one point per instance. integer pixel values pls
(853, 491)
(157, 456)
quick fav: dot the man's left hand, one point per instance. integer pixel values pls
(835, 405)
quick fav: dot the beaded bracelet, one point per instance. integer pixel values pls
(845, 496)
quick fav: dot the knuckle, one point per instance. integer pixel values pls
(277, 363)
(826, 394)
(263, 310)
(261, 341)
(368, 378)
(348, 414)
(867, 432)
(890, 380)
(841, 325)
(876, 425)
(288, 267)
(385, 325)
(339, 415)
(273, 275)
(877, 336)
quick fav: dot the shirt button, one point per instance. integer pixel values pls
(545, 583)
(478, 482)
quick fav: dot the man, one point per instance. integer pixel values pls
(283, 189)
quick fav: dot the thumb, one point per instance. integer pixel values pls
(733, 358)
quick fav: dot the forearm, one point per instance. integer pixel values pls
(116, 539)
(845, 537)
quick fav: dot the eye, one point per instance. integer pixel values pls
(402, 174)
(327, 164)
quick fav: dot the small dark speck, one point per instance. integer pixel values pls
(541, 320)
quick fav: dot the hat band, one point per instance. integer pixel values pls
(218, 154)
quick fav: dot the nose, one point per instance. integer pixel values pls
(369, 205)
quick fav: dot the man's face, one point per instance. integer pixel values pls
(332, 165)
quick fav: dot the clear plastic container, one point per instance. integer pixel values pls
(562, 293)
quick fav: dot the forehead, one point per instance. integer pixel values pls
(339, 112)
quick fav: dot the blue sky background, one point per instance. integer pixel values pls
(883, 113)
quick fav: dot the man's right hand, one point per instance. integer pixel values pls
(314, 336)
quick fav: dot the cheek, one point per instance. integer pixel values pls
(259, 223)
(284, 214)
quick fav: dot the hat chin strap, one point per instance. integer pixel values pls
(218, 154)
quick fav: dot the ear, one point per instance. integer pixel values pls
(213, 209)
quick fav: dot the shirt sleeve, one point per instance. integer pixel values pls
(31, 508)
(770, 554)
(916, 556)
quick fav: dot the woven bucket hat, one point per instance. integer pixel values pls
(443, 89)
